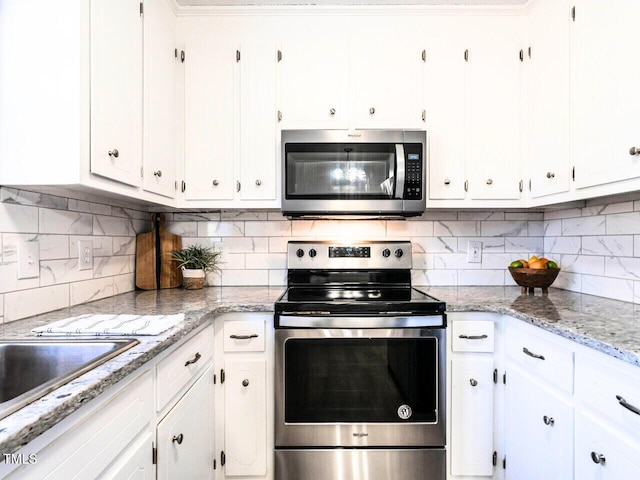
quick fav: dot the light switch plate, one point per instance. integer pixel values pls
(85, 255)
(28, 260)
(474, 252)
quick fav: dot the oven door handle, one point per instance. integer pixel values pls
(400, 170)
(360, 322)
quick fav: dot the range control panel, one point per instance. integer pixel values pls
(360, 255)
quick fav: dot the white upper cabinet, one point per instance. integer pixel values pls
(493, 127)
(445, 113)
(161, 62)
(258, 121)
(210, 71)
(387, 83)
(366, 81)
(116, 90)
(605, 93)
(549, 98)
(314, 83)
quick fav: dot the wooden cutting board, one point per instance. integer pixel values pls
(154, 265)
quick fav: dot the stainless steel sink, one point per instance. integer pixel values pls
(29, 369)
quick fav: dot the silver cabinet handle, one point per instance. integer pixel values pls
(473, 382)
(489, 181)
(526, 351)
(158, 173)
(215, 183)
(466, 185)
(372, 111)
(550, 175)
(598, 458)
(632, 151)
(472, 337)
(238, 186)
(245, 383)
(628, 406)
(447, 181)
(243, 337)
(424, 115)
(548, 421)
(195, 359)
(114, 153)
(178, 439)
(258, 182)
(332, 111)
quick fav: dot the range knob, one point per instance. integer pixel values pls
(299, 253)
(398, 253)
(386, 252)
(312, 252)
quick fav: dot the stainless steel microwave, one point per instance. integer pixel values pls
(353, 173)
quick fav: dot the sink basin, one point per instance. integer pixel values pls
(29, 369)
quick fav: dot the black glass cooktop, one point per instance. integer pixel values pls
(358, 300)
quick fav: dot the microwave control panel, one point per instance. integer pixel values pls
(413, 172)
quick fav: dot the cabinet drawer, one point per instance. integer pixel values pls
(472, 336)
(540, 355)
(244, 335)
(184, 364)
(611, 388)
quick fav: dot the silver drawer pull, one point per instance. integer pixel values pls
(531, 354)
(245, 383)
(472, 337)
(473, 382)
(178, 439)
(195, 359)
(598, 458)
(244, 337)
(628, 406)
(548, 421)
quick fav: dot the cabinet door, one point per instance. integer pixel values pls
(594, 443)
(185, 435)
(258, 118)
(245, 418)
(539, 430)
(210, 113)
(134, 463)
(315, 83)
(445, 113)
(387, 83)
(549, 98)
(605, 78)
(116, 90)
(493, 118)
(472, 391)
(160, 64)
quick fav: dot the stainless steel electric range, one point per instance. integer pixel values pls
(360, 367)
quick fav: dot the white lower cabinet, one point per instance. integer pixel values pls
(475, 396)
(185, 435)
(244, 425)
(539, 437)
(134, 463)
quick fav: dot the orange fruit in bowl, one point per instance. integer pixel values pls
(525, 264)
(538, 264)
(543, 260)
(533, 258)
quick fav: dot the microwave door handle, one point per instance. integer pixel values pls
(400, 170)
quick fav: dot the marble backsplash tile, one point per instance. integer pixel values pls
(56, 224)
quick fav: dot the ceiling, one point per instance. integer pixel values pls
(350, 2)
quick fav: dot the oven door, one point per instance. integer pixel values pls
(360, 387)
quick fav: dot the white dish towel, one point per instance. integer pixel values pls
(97, 325)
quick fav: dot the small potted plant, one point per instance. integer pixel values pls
(195, 261)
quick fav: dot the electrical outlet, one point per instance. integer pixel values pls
(85, 255)
(28, 260)
(474, 252)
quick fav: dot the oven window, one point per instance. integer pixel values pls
(333, 171)
(360, 380)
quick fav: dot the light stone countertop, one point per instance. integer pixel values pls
(609, 326)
